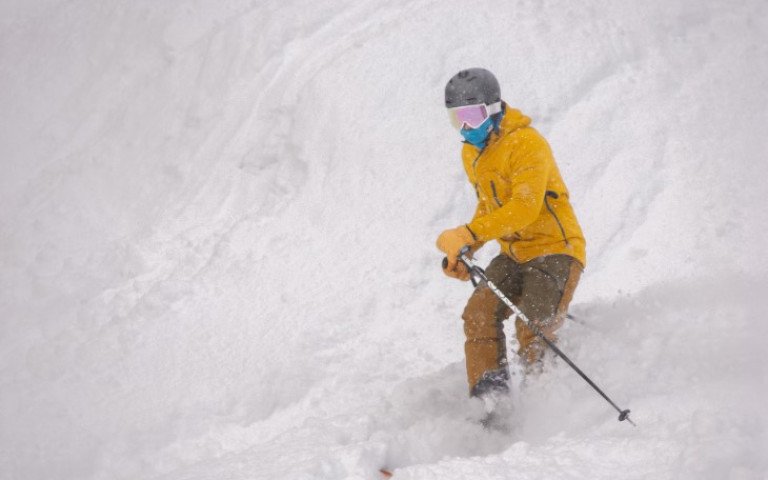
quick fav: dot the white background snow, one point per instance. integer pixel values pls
(217, 225)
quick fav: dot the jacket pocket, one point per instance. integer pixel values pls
(495, 193)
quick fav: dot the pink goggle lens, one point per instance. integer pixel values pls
(470, 115)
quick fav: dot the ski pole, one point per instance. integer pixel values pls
(477, 275)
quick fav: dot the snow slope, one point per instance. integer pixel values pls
(217, 223)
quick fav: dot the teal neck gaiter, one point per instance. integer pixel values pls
(479, 136)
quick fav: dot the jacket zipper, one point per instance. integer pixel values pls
(554, 195)
(474, 170)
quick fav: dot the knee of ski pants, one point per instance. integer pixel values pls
(531, 347)
(480, 315)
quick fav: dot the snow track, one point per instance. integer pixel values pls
(217, 224)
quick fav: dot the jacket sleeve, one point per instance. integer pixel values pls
(529, 168)
(480, 211)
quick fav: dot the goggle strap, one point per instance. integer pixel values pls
(493, 108)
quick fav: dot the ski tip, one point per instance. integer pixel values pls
(385, 473)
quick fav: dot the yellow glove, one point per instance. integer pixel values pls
(460, 271)
(452, 241)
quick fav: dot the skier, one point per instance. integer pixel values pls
(523, 204)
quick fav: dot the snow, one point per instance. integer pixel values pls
(217, 223)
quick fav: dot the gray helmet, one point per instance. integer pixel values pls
(472, 86)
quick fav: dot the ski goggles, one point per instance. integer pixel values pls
(472, 115)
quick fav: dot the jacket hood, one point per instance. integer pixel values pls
(513, 120)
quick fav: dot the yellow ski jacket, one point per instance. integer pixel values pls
(522, 199)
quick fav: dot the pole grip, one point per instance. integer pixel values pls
(464, 251)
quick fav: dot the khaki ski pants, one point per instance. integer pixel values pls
(542, 288)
